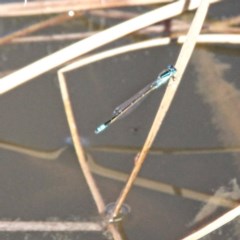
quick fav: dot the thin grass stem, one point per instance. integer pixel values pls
(181, 65)
(81, 154)
(35, 27)
(78, 146)
(82, 47)
(219, 222)
(37, 226)
(51, 7)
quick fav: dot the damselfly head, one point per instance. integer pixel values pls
(172, 69)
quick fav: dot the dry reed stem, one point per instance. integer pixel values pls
(77, 49)
(54, 37)
(162, 187)
(52, 155)
(161, 151)
(36, 27)
(81, 155)
(203, 38)
(50, 7)
(219, 222)
(114, 52)
(113, 13)
(46, 155)
(33, 226)
(214, 39)
(181, 65)
(78, 147)
(225, 25)
(233, 30)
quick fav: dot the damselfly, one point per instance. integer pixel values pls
(128, 105)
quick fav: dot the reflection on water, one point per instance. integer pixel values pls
(224, 100)
(222, 97)
(124, 211)
(230, 192)
(42, 154)
(160, 186)
(217, 200)
(160, 151)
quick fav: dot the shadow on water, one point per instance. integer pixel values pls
(53, 155)
(223, 100)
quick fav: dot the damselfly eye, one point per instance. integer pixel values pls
(172, 68)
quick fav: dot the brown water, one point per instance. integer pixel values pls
(37, 185)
